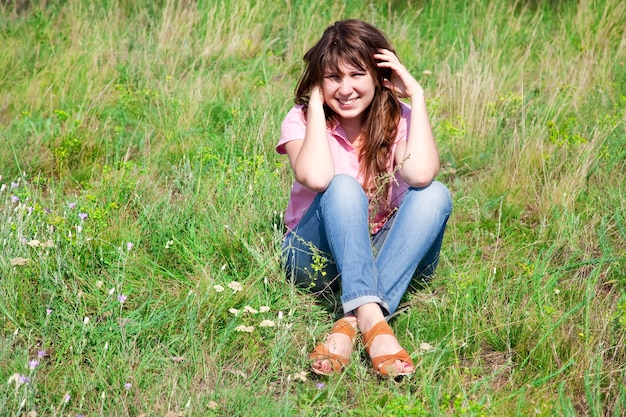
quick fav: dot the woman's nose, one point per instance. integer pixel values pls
(345, 87)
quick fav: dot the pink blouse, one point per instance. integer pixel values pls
(345, 159)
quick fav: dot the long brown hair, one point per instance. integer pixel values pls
(355, 42)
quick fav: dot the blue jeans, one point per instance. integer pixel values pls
(332, 242)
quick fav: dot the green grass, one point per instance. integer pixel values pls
(158, 121)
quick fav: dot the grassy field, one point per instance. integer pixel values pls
(141, 201)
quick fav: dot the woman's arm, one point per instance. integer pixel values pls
(311, 160)
(418, 157)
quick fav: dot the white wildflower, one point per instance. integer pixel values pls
(235, 286)
(300, 376)
(267, 323)
(248, 309)
(244, 328)
(19, 261)
(426, 346)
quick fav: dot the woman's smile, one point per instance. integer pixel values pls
(347, 103)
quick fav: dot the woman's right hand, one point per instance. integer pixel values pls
(316, 96)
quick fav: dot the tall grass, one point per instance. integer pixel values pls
(141, 201)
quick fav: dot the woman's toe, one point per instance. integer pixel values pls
(405, 367)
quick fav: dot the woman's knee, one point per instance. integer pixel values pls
(435, 195)
(345, 189)
(344, 183)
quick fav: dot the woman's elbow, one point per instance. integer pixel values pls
(419, 179)
(315, 183)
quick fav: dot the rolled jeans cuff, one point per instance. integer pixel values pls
(351, 302)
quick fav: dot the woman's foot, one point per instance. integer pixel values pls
(388, 357)
(333, 355)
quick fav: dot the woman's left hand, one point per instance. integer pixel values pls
(404, 85)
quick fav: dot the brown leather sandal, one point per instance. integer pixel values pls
(384, 364)
(321, 352)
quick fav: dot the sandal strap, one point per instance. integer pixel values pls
(343, 326)
(383, 364)
(382, 327)
(338, 362)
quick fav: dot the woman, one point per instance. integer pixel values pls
(364, 205)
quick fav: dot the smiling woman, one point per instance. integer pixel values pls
(348, 93)
(364, 165)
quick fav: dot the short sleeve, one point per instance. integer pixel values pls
(292, 128)
(403, 125)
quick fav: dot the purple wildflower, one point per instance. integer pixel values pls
(71, 205)
(32, 364)
(15, 199)
(82, 215)
(41, 354)
(121, 298)
(128, 386)
(129, 246)
(320, 385)
(23, 379)
(67, 398)
(48, 311)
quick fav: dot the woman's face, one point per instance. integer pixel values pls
(349, 92)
